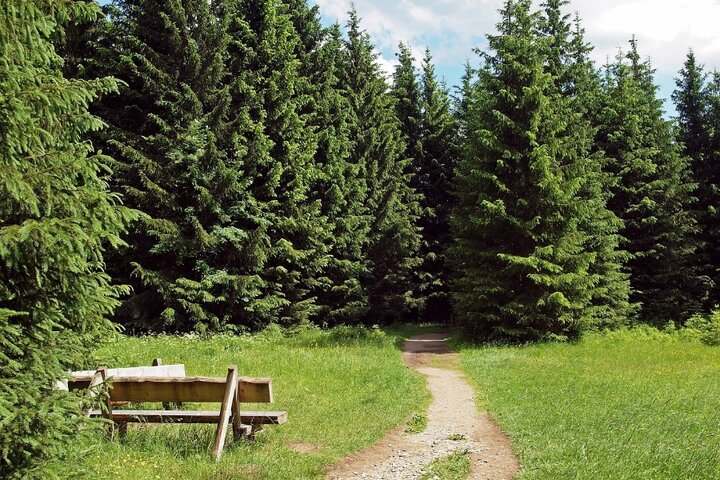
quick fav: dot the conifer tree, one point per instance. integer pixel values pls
(653, 193)
(522, 253)
(433, 179)
(57, 218)
(576, 80)
(392, 205)
(692, 104)
(709, 178)
(694, 132)
(274, 147)
(407, 93)
(166, 126)
(339, 185)
(463, 99)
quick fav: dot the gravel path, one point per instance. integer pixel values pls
(452, 414)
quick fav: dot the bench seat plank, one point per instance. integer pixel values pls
(192, 416)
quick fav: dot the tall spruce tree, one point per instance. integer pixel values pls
(392, 205)
(407, 93)
(339, 184)
(694, 131)
(692, 104)
(577, 81)
(522, 253)
(57, 218)
(274, 145)
(709, 177)
(463, 100)
(433, 179)
(653, 193)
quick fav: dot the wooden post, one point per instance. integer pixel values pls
(238, 431)
(122, 429)
(166, 405)
(225, 412)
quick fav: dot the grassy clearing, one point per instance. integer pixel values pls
(455, 466)
(626, 405)
(343, 390)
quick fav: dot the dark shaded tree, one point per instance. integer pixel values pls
(693, 102)
(433, 180)
(166, 126)
(392, 205)
(708, 177)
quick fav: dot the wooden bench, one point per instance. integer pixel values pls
(230, 392)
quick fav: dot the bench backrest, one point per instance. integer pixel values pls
(81, 379)
(186, 389)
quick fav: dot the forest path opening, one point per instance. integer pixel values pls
(454, 425)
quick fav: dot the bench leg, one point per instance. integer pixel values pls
(225, 412)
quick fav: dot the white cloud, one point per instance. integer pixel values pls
(665, 29)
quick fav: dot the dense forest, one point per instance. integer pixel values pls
(220, 166)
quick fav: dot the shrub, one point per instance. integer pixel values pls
(705, 328)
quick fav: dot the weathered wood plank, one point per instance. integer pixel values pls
(192, 416)
(187, 389)
(81, 379)
(229, 396)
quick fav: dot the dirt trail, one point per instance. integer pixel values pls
(452, 414)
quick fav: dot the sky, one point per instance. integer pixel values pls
(665, 30)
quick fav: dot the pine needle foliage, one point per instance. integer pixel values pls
(57, 218)
(653, 193)
(696, 102)
(523, 255)
(392, 204)
(433, 180)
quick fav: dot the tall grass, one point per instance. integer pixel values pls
(343, 389)
(625, 405)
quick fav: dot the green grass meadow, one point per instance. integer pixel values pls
(343, 389)
(624, 405)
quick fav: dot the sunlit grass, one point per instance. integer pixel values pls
(455, 466)
(343, 389)
(417, 423)
(617, 406)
